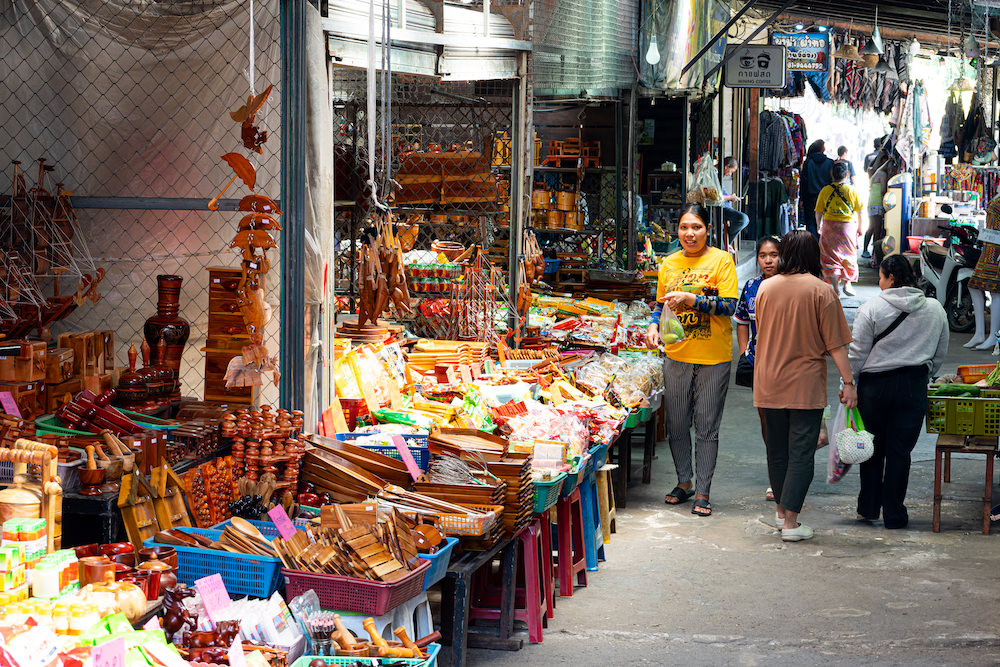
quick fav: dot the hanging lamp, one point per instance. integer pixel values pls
(963, 85)
(914, 47)
(847, 50)
(874, 46)
(882, 67)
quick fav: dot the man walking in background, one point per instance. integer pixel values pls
(842, 157)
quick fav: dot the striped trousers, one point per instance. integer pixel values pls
(695, 396)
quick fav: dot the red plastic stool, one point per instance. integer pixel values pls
(529, 599)
(572, 559)
(548, 571)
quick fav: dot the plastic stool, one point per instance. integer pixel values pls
(529, 599)
(415, 616)
(606, 501)
(548, 571)
(570, 543)
(593, 538)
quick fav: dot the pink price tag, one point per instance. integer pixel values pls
(110, 654)
(214, 595)
(152, 624)
(9, 404)
(281, 521)
(404, 453)
(235, 654)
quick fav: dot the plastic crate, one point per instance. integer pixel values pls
(244, 574)
(975, 373)
(267, 528)
(416, 442)
(439, 562)
(632, 420)
(552, 265)
(343, 661)
(359, 595)
(599, 454)
(547, 492)
(959, 415)
(463, 524)
(573, 477)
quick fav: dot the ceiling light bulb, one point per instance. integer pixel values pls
(914, 47)
(971, 47)
(821, 28)
(652, 53)
(800, 26)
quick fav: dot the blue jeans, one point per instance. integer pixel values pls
(737, 220)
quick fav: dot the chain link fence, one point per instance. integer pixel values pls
(130, 103)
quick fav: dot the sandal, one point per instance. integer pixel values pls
(769, 494)
(701, 504)
(679, 494)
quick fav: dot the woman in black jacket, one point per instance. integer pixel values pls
(816, 174)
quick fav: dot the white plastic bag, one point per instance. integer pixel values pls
(854, 443)
(835, 468)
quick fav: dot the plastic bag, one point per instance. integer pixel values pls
(671, 331)
(854, 443)
(707, 187)
(835, 468)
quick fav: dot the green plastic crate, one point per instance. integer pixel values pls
(632, 420)
(955, 415)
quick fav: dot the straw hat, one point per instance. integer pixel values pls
(847, 52)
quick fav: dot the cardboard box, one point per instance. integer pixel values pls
(59, 365)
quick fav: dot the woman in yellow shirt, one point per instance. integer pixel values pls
(837, 206)
(699, 285)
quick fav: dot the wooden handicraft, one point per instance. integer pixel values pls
(47, 487)
(135, 500)
(168, 502)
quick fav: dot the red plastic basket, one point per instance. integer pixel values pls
(358, 595)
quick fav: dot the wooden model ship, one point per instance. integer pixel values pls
(46, 270)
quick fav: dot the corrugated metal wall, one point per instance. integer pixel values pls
(584, 45)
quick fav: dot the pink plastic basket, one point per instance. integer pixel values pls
(358, 595)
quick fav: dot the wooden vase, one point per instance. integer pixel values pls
(168, 326)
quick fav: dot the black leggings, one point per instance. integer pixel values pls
(893, 405)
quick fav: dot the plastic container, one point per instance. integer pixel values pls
(973, 374)
(573, 477)
(960, 415)
(439, 562)
(432, 651)
(416, 442)
(547, 492)
(359, 595)
(464, 525)
(267, 528)
(552, 265)
(915, 241)
(244, 574)
(599, 453)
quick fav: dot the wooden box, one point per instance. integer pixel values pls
(59, 365)
(28, 365)
(84, 346)
(226, 336)
(97, 383)
(105, 351)
(29, 397)
(63, 392)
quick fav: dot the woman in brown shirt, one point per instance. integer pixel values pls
(799, 323)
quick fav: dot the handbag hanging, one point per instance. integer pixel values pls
(854, 443)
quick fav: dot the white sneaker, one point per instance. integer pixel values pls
(849, 289)
(803, 532)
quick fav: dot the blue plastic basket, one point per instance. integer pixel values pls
(416, 442)
(342, 661)
(267, 528)
(244, 574)
(552, 265)
(599, 456)
(573, 477)
(439, 562)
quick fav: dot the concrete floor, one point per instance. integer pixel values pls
(677, 588)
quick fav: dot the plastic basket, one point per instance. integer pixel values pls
(547, 492)
(573, 477)
(552, 265)
(439, 562)
(599, 454)
(344, 661)
(352, 594)
(267, 528)
(244, 574)
(416, 442)
(975, 373)
(463, 525)
(957, 415)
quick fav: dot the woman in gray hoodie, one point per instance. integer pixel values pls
(900, 340)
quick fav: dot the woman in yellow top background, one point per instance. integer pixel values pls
(836, 208)
(699, 285)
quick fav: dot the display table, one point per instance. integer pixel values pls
(456, 591)
(959, 444)
(620, 451)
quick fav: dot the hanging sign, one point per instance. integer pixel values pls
(807, 51)
(755, 66)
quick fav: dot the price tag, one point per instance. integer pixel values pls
(236, 657)
(152, 624)
(9, 404)
(404, 453)
(214, 595)
(281, 521)
(990, 236)
(110, 654)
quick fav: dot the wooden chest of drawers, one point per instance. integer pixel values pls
(226, 336)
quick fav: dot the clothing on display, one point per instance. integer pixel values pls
(768, 200)
(782, 140)
(986, 275)
(984, 180)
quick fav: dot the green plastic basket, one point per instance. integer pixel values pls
(955, 415)
(632, 420)
(547, 492)
(343, 661)
(644, 414)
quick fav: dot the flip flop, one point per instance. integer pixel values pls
(701, 503)
(769, 494)
(680, 494)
